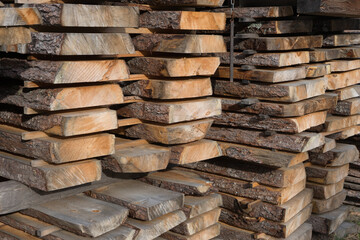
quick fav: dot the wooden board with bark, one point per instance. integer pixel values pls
(347, 107)
(196, 205)
(322, 191)
(335, 8)
(208, 233)
(344, 79)
(258, 12)
(330, 204)
(325, 175)
(348, 92)
(279, 27)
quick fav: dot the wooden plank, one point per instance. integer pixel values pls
(178, 133)
(338, 40)
(257, 209)
(180, 181)
(280, 92)
(280, 230)
(342, 80)
(335, 8)
(323, 102)
(327, 223)
(344, 65)
(325, 175)
(280, 59)
(136, 158)
(135, 195)
(19, 17)
(330, 204)
(192, 3)
(334, 123)
(343, 133)
(154, 228)
(207, 233)
(327, 54)
(317, 70)
(328, 145)
(183, 20)
(14, 35)
(279, 27)
(352, 186)
(347, 107)
(63, 98)
(179, 43)
(81, 215)
(322, 191)
(56, 150)
(342, 154)
(173, 112)
(280, 177)
(346, 229)
(264, 75)
(258, 12)
(194, 205)
(194, 152)
(64, 124)
(262, 156)
(63, 72)
(348, 92)
(7, 232)
(174, 67)
(49, 177)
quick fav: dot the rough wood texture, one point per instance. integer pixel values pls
(63, 98)
(280, 230)
(262, 156)
(174, 67)
(317, 70)
(279, 27)
(281, 92)
(341, 40)
(326, 175)
(7, 232)
(180, 181)
(282, 59)
(328, 145)
(344, 65)
(258, 12)
(285, 125)
(144, 201)
(342, 154)
(342, 80)
(154, 228)
(48, 177)
(301, 142)
(64, 124)
(130, 157)
(327, 223)
(19, 17)
(207, 233)
(327, 54)
(80, 214)
(316, 104)
(14, 35)
(183, 20)
(178, 133)
(347, 107)
(350, 8)
(194, 205)
(188, 3)
(281, 177)
(56, 150)
(195, 152)
(322, 191)
(334, 123)
(330, 204)
(63, 72)
(179, 43)
(173, 112)
(169, 89)
(264, 75)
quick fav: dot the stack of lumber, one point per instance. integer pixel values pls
(201, 205)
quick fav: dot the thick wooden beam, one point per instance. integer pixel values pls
(325, 175)
(194, 205)
(347, 107)
(338, 40)
(350, 8)
(330, 204)
(322, 191)
(342, 80)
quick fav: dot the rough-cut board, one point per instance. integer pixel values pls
(281, 177)
(349, 8)
(327, 223)
(342, 80)
(174, 67)
(144, 201)
(195, 152)
(327, 54)
(71, 15)
(81, 215)
(264, 75)
(63, 98)
(334, 123)
(47, 177)
(7, 232)
(317, 70)
(342, 154)
(344, 65)
(169, 89)
(63, 72)
(56, 150)
(330, 204)
(279, 27)
(257, 209)
(194, 206)
(258, 12)
(325, 175)
(280, 43)
(183, 20)
(262, 156)
(130, 157)
(280, 230)
(347, 107)
(343, 133)
(284, 125)
(187, 3)
(346, 229)
(14, 35)
(281, 59)
(348, 92)
(328, 145)
(64, 124)
(316, 104)
(208, 233)
(322, 191)
(173, 112)
(281, 92)
(178, 133)
(180, 181)
(341, 40)
(151, 229)
(251, 190)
